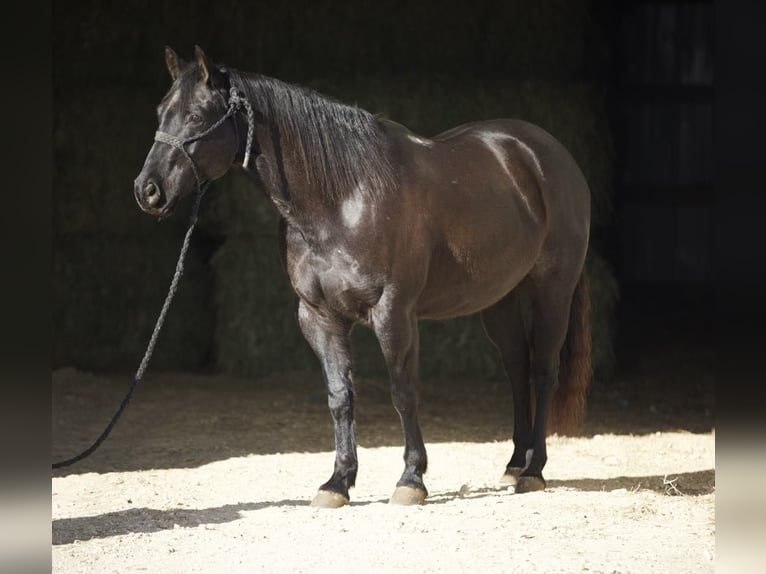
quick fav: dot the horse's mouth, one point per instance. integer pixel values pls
(168, 209)
(165, 211)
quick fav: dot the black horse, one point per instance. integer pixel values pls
(384, 227)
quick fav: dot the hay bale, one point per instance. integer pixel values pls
(604, 294)
(457, 347)
(107, 294)
(235, 207)
(514, 38)
(256, 330)
(100, 141)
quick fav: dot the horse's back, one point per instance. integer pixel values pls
(511, 154)
(477, 205)
(563, 189)
(546, 154)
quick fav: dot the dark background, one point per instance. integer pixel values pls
(628, 87)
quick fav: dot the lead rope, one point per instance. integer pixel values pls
(236, 102)
(152, 341)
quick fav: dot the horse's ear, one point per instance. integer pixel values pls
(209, 73)
(205, 68)
(173, 62)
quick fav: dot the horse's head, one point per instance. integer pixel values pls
(197, 99)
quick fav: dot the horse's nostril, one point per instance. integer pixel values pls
(152, 193)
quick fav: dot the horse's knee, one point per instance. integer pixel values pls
(341, 403)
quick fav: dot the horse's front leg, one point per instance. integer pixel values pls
(397, 332)
(329, 338)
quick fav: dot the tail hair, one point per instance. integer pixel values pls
(575, 373)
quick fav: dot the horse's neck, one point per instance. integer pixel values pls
(284, 180)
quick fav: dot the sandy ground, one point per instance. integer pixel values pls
(215, 474)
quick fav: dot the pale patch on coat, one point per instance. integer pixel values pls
(352, 210)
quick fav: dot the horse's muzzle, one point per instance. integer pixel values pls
(149, 195)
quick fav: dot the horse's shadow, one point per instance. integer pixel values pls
(67, 530)
(686, 483)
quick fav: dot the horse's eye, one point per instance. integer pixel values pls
(195, 119)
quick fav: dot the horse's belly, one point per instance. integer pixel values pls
(462, 283)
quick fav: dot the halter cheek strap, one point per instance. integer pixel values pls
(236, 103)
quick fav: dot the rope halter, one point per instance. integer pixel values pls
(236, 103)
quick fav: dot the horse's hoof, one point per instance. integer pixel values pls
(511, 476)
(329, 499)
(407, 496)
(530, 484)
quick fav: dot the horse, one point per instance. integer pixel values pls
(383, 227)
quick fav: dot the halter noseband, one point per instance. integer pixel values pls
(236, 103)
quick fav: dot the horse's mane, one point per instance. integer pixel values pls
(341, 148)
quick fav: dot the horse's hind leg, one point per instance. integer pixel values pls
(397, 333)
(329, 338)
(504, 324)
(551, 300)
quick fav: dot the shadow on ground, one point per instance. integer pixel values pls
(665, 382)
(180, 420)
(148, 520)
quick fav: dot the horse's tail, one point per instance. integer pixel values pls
(568, 405)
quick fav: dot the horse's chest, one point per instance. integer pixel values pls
(332, 279)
